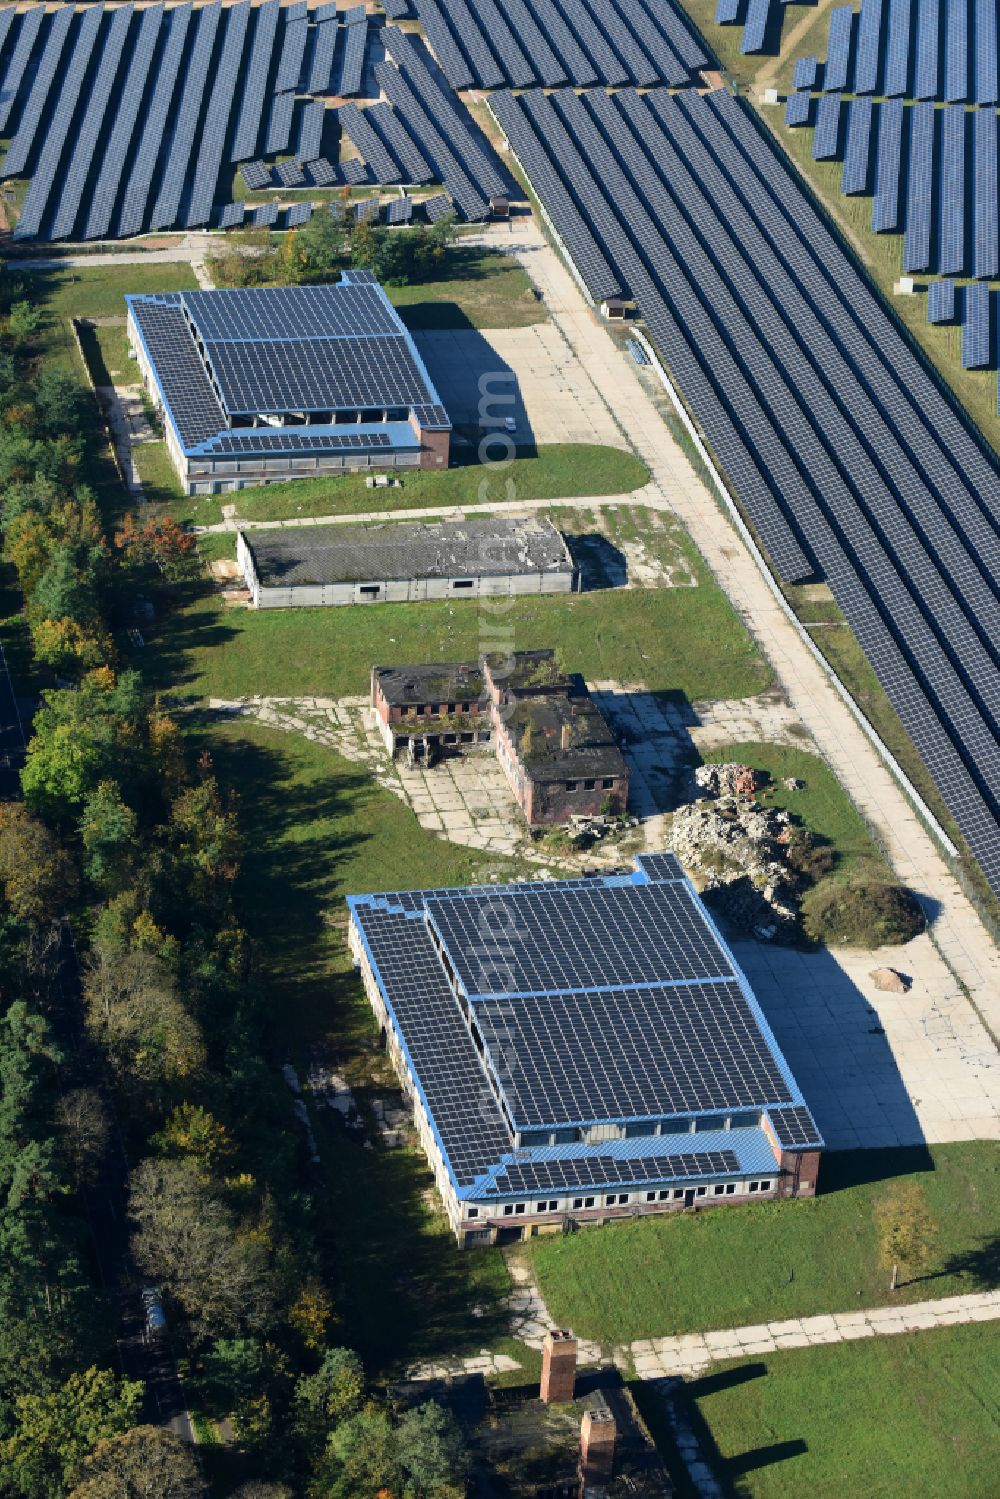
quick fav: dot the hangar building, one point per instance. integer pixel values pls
(580, 1050)
(259, 385)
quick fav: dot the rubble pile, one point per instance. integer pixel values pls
(734, 848)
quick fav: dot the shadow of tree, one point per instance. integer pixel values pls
(980, 1265)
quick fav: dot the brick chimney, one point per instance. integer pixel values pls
(558, 1366)
(597, 1448)
(564, 737)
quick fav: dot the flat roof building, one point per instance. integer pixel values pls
(258, 385)
(307, 566)
(580, 1049)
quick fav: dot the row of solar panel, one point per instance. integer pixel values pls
(365, 211)
(979, 332)
(479, 43)
(123, 117)
(847, 456)
(898, 48)
(756, 20)
(928, 150)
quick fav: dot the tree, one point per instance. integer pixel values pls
(81, 737)
(134, 1011)
(431, 1451)
(23, 323)
(236, 1369)
(67, 588)
(58, 402)
(206, 840)
(55, 1430)
(82, 1121)
(37, 874)
(324, 1399)
(906, 1230)
(159, 543)
(190, 1241)
(193, 1134)
(108, 831)
(67, 647)
(360, 1460)
(148, 1462)
(316, 251)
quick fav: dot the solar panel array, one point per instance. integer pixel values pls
(399, 211)
(942, 180)
(297, 213)
(322, 173)
(977, 350)
(256, 175)
(915, 49)
(522, 1178)
(850, 460)
(352, 58)
(400, 142)
(354, 124)
(523, 43)
(941, 302)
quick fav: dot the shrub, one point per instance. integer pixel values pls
(865, 913)
(808, 857)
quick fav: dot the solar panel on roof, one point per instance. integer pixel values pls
(794, 1128)
(298, 312)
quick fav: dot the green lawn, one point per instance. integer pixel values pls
(687, 642)
(159, 477)
(479, 288)
(739, 1266)
(822, 804)
(557, 471)
(100, 290)
(884, 1418)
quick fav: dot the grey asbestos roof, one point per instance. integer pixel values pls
(453, 549)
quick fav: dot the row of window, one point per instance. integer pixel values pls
(605, 784)
(439, 710)
(622, 1199)
(639, 1128)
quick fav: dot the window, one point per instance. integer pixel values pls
(589, 785)
(640, 1127)
(607, 783)
(719, 1190)
(566, 1136)
(678, 1193)
(508, 1210)
(766, 1186)
(664, 1196)
(702, 1192)
(531, 1137)
(570, 785)
(754, 1187)
(520, 1207)
(650, 1196)
(578, 1202)
(370, 590)
(472, 1213)
(730, 1188)
(552, 1206)
(589, 1202)
(710, 1121)
(615, 1199)
(744, 1121)
(462, 582)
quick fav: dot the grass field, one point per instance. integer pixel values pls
(557, 471)
(689, 1273)
(687, 641)
(885, 1418)
(479, 288)
(822, 805)
(100, 290)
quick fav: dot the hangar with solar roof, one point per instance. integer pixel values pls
(579, 1051)
(260, 385)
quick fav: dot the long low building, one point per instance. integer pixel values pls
(309, 566)
(259, 385)
(580, 1050)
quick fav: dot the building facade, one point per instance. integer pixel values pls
(324, 566)
(579, 1051)
(260, 385)
(552, 741)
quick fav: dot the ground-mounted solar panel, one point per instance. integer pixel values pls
(857, 151)
(357, 129)
(254, 86)
(278, 129)
(897, 52)
(941, 302)
(838, 49)
(956, 50)
(293, 48)
(465, 27)
(323, 13)
(212, 144)
(256, 175)
(49, 63)
(352, 59)
(398, 140)
(354, 15)
(367, 211)
(307, 133)
(641, 70)
(7, 15)
(28, 33)
(320, 66)
(986, 189)
(444, 46)
(503, 43)
(396, 10)
(606, 63)
(798, 109)
(673, 22)
(806, 73)
(229, 215)
(459, 186)
(951, 238)
(928, 66)
(826, 138)
(354, 171)
(399, 211)
(976, 340)
(76, 170)
(549, 70)
(43, 178)
(985, 52)
(579, 68)
(470, 156)
(321, 172)
(866, 63)
(727, 12)
(885, 206)
(178, 150)
(101, 204)
(290, 174)
(919, 188)
(263, 215)
(438, 207)
(563, 213)
(296, 214)
(153, 121)
(755, 26)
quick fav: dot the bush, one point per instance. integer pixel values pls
(865, 913)
(808, 857)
